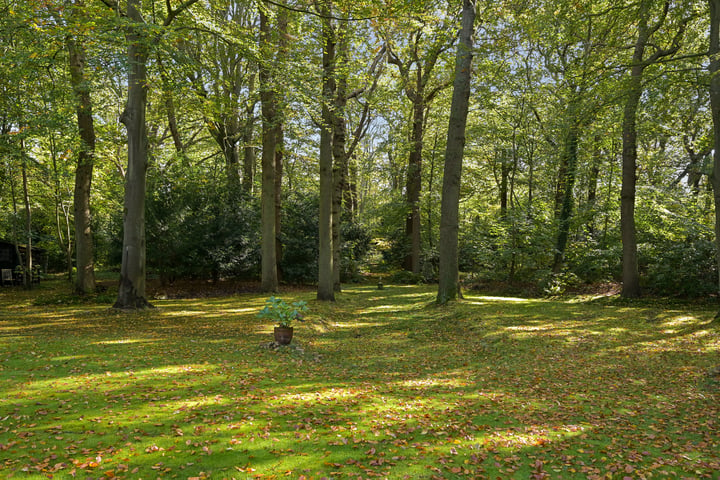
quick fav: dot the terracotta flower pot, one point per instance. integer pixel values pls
(283, 335)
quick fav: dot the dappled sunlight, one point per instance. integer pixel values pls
(125, 341)
(530, 436)
(69, 358)
(481, 300)
(432, 382)
(388, 308)
(391, 386)
(185, 313)
(356, 324)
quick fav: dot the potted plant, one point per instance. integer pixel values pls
(283, 314)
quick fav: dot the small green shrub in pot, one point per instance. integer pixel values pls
(282, 313)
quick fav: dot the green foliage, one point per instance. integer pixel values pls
(299, 236)
(404, 277)
(686, 268)
(590, 260)
(390, 230)
(518, 247)
(281, 313)
(195, 229)
(356, 242)
(676, 248)
(554, 284)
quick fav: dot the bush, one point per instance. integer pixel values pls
(676, 252)
(193, 231)
(299, 237)
(356, 241)
(684, 268)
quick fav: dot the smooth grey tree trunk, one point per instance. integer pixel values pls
(84, 245)
(449, 280)
(630, 270)
(714, 54)
(268, 102)
(27, 277)
(131, 293)
(566, 188)
(326, 289)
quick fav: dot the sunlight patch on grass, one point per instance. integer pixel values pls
(68, 358)
(494, 299)
(531, 328)
(174, 369)
(531, 436)
(32, 326)
(675, 324)
(185, 313)
(125, 341)
(187, 404)
(356, 324)
(432, 382)
(243, 310)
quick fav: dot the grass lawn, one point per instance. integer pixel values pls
(380, 384)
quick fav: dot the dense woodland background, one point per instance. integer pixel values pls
(240, 95)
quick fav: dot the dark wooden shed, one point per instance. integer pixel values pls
(9, 259)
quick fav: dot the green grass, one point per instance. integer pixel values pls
(384, 385)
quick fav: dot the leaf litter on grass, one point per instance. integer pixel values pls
(385, 385)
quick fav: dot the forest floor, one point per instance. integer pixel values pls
(379, 384)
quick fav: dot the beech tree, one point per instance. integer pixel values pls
(416, 63)
(326, 290)
(449, 285)
(270, 41)
(646, 30)
(139, 36)
(84, 244)
(714, 56)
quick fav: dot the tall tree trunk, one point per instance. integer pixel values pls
(630, 272)
(449, 280)
(340, 160)
(631, 276)
(249, 157)
(170, 108)
(27, 277)
(326, 289)
(268, 100)
(714, 54)
(131, 293)
(279, 158)
(566, 193)
(413, 185)
(84, 244)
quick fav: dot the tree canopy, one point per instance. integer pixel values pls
(298, 141)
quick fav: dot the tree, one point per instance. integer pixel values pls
(326, 290)
(84, 245)
(714, 55)
(271, 132)
(344, 142)
(631, 276)
(449, 280)
(138, 34)
(417, 75)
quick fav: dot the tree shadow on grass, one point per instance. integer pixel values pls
(390, 385)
